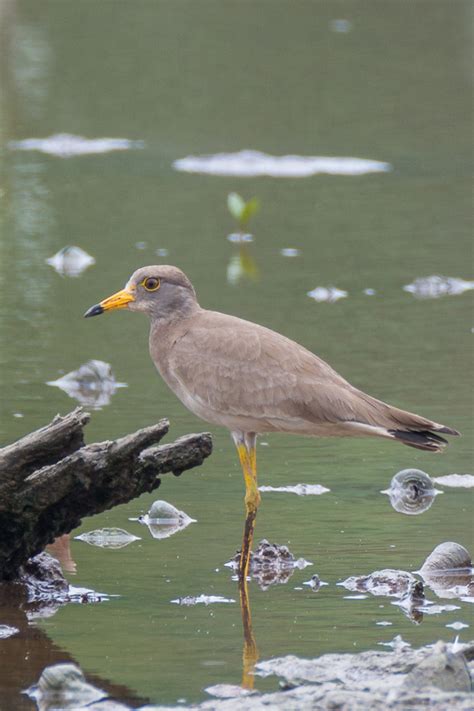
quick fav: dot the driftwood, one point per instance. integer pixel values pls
(50, 480)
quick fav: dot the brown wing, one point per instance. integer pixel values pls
(240, 368)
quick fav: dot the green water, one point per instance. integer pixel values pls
(202, 77)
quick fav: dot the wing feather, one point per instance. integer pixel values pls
(242, 369)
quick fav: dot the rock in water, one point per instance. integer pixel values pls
(387, 582)
(71, 261)
(441, 670)
(107, 538)
(447, 556)
(92, 384)
(164, 520)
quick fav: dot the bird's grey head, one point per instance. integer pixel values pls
(163, 292)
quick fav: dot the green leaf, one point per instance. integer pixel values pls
(250, 208)
(236, 205)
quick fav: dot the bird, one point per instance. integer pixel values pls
(253, 380)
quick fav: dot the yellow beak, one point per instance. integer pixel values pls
(120, 300)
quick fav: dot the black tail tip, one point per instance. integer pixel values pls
(449, 431)
(420, 439)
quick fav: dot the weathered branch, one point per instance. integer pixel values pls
(39, 503)
(44, 446)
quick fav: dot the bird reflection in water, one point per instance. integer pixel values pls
(60, 549)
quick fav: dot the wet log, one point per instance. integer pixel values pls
(50, 480)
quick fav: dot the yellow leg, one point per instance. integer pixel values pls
(248, 461)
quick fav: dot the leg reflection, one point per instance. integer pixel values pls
(250, 651)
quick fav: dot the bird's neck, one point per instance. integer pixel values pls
(166, 328)
(173, 317)
(164, 332)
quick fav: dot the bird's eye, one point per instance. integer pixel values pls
(151, 283)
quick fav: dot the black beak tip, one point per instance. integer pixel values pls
(94, 311)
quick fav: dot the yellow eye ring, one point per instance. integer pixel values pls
(151, 283)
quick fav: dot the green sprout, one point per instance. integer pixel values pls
(242, 211)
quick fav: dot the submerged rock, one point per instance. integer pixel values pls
(432, 287)
(270, 564)
(447, 556)
(43, 579)
(71, 261)
(327, 293)
(228, 691)
(164, 520)
(315, 582)
(398, 644)
(387, 582)
(411, 492)
(440, 670)
(457, 626)
(448, 571)
(42, 589)
(413, 602)
(92, 384)
(64, 687)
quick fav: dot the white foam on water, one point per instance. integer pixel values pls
(66, 145)
(327, 293)
(463, 481)
(190, 600)
(298, 489)
(249, 163)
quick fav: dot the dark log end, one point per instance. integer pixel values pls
(41, 500)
